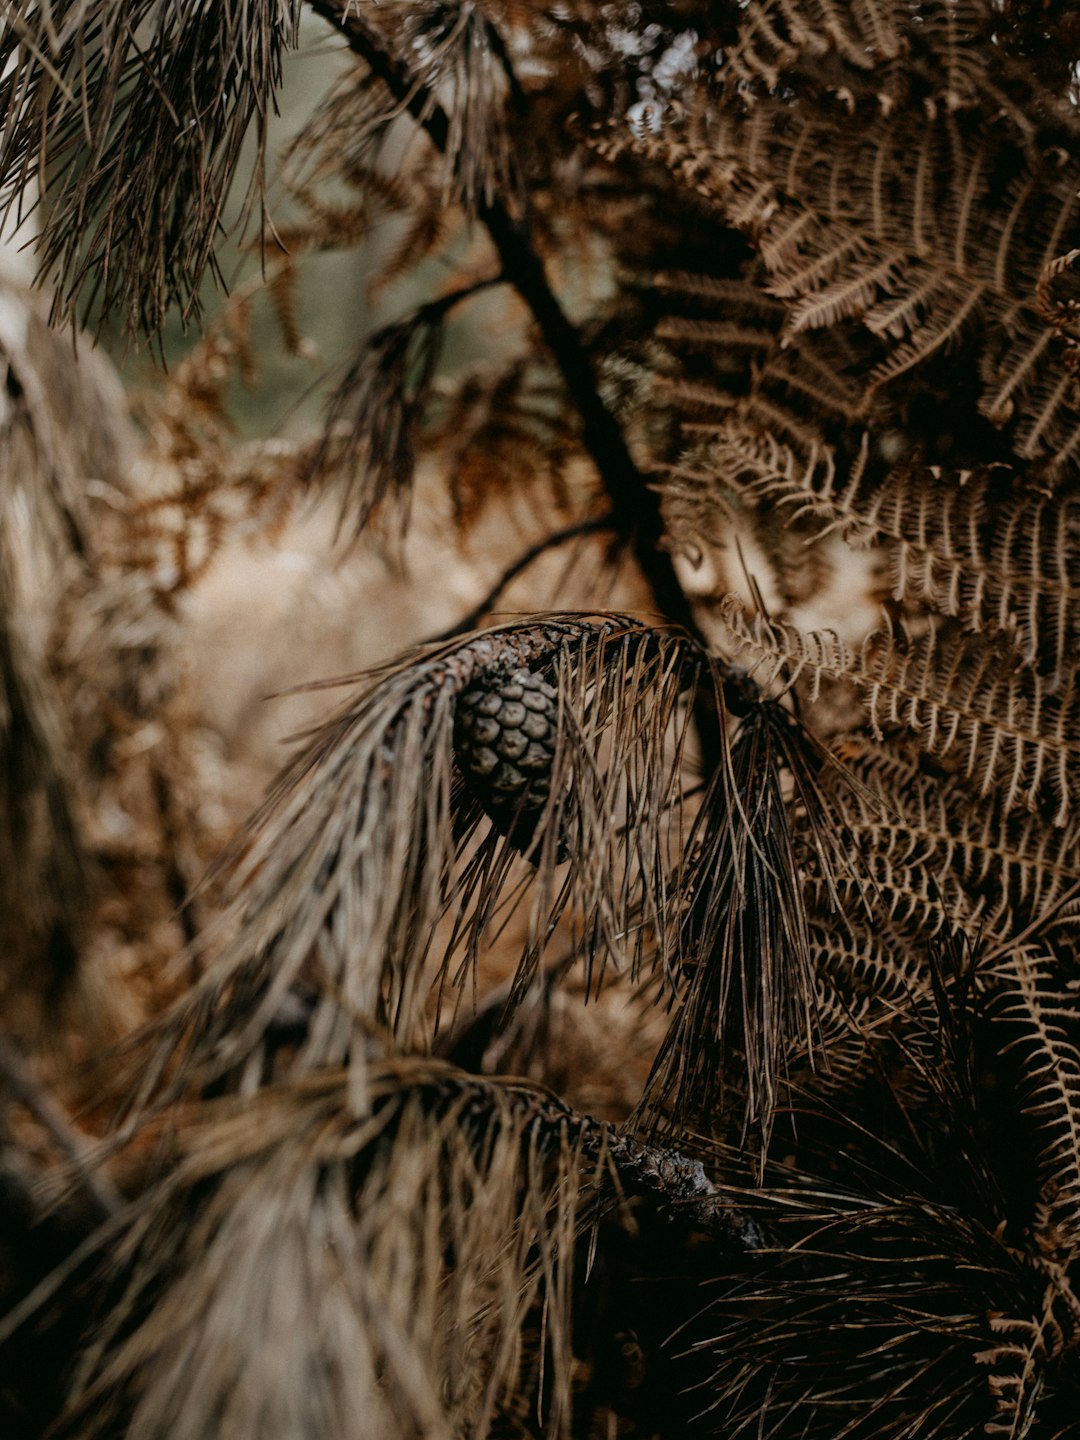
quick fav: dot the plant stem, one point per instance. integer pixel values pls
(522, 563)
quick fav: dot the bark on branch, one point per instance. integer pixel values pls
(635, 508)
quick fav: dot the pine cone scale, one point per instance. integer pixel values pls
(504, 739)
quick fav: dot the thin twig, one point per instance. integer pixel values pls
(16, 1079)
(178, 883)
(549, 542)
(635, 507)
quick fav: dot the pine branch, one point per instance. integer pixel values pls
(635, 507)
(132, 115)
(416, 1239)
(360, 848)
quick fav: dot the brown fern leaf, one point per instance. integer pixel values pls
(867, 970)
(892, 222)
(421, 238)
(1013, 870)
(740, 329)
(1042, 1019)
(343, 138)
(872, 989)
(738, 464)
(778, 36)
(504, 430)
(1029, 380)
(1018, 1357)
(1058, 295)
(959, 542)
(904, 900)
(211, 488)
(960, 697)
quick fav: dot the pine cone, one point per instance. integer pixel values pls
(504, 737)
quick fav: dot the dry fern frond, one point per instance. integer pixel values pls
(868, 967)
(134, 115)
(959, 697)
(907, 901)
(1001, 561)
(1025, 1352)
(872, 987)
(1057, 298)
(985, 869)
(777, 34)
(1040, 1016)
(892, 222)
(208, 487)
(738, 329)
(743, 458)
(393, 1258)
(342, 138)
(505, 433)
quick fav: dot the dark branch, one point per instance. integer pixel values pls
(635, 508)
(675, 1185)
(680, 1189)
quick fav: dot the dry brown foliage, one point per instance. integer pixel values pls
(724, 1077)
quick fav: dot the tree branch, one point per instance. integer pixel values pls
(675, 1185)
(635, 508)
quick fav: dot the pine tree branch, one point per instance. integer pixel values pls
(678, 1188)
(635, 507)
(675, 1185)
